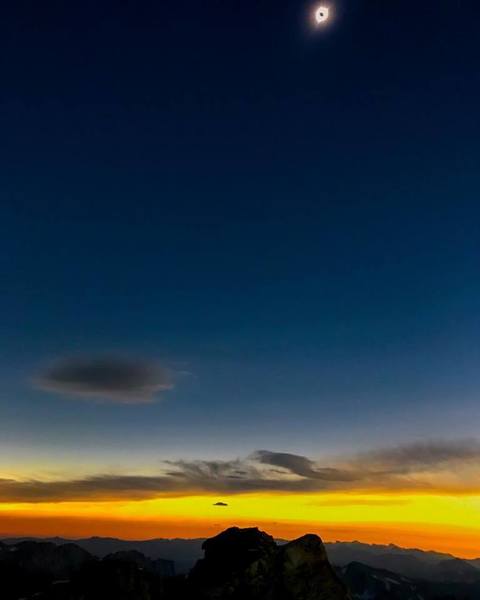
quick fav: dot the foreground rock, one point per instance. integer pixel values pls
(159, 567)
(29, 568)
(246, 564)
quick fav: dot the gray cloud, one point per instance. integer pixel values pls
(118, 380)
(302, 466)
(220, 504)
(101, 487)
(422, 456)
(426, 466)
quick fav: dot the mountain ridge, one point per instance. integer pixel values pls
(411, 562)
(238, 564)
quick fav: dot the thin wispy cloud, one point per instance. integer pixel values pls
(426, 467)
(112, 379)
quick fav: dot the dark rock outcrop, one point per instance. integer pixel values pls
(366, 582)
(306, 572)
(378, 584)
(115, 579)
(246, 564)
(28, 568)
(158, 567)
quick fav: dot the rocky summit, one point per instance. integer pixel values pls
(247, 564)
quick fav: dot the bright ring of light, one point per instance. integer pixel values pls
(321, 14)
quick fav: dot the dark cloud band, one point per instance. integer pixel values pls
(114, 379)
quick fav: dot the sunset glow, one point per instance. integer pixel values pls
(443, 522)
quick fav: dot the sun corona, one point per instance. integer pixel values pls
(322, 14)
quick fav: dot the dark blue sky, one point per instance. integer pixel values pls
(291, 216)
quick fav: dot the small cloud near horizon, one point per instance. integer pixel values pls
(112, 379)
(220, 504)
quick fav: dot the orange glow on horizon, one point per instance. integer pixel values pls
(431, 522)
(460, 542)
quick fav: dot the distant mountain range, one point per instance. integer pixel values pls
(238, 564)
(184, 552)
(409, 562)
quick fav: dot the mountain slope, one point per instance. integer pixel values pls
(367, 583)
(378, 584)
(414, 563)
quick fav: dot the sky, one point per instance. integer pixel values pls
(239, 263)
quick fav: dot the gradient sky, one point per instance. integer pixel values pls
(285, 221)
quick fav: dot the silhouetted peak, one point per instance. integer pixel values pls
(247, 564)
(309, 544)
(238, 547)
(306, 572)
